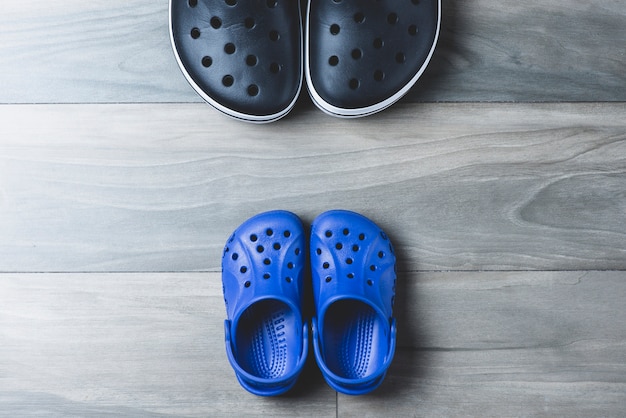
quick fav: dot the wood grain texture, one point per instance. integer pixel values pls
(470, 344)
(540, 50)
(506, 344)
(457, 186)
(127, 345)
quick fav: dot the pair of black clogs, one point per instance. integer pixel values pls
(249, 58)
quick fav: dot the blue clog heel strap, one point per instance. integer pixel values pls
(354, 386)
(266, 386)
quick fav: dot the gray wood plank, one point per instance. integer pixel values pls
(470, 344)
(128, 345)
(539, 50)
(457, 186)
(505, 344)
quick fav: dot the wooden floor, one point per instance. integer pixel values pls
(500, 178)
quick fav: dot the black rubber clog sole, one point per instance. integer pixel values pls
(361, 56)
(244, 57)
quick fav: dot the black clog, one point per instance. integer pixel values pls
(244, 57)
(361, 56)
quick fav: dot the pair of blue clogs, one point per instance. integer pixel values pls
(353, 281)
(250, 58)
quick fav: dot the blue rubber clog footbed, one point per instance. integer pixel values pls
(262, 276)
(353, 271)
(244, 57)
(364, 55)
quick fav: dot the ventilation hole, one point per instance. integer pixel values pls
(249, 22)
(216, 22)
(357, 53)
(193, 3)
(290, 265)
(235, 256)
(297, 251)
(325, 265)
(253, 238)
(276, 246)
(359, 17)
(333, 60)
(328, 279)
(228, 80)
(288, 279)
(346, 231)
(274, 68)
(379, 75)
(226, 249)
(362, 237)
(381, 254)
(287, 234)
(412, 30)
(378, 43)
(373, 267)
(247, 284)
(251, 60)
(253, 90)
(318, 251)
(267, 261)
(329, 234)
(260, 249)
(266, 276)
(392, 18)
(354, 83)
(334, 29)
(274, 35)
(269, 232)
(355, 248)
(349, 261)
(207, 61)
(230, 48)
(370, 282)
(400, 58)
(243, 269)
(231, 2)
(339, 246)
(272, 3)
(350, 275)
(195, 33)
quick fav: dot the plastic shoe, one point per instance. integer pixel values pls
(243, 57)
(262, 269)
(361, 56)
(353, 270)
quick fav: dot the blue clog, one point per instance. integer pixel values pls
(353, 273)
(262, 276)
